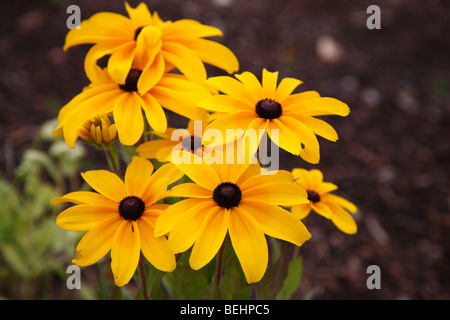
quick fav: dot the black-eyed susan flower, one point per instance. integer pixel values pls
(174, 44)
(98, 130)
(120, 217)
(234, 199)
(250, 104)
(189, 139)
(127, 100)
(323, 202)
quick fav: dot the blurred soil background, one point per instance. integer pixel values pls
(392, 158)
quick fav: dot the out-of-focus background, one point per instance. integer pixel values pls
(392, 158)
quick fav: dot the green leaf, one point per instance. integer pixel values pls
(292, 280)
(185, 284)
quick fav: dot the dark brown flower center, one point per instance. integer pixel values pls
(131, 208)
(192, 143)
(268, 109)
(131, 81)
(227, 195)
(313, 196)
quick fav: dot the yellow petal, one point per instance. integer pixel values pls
(160, 180)
(116, 23)
(94, 30)
(231, 126)
(96, 243)
(102, 49)
(259, 179)
(225, 103)
(232, 87)
(285, 88)
(326, 187)
(315, 178)
(340, 201)
(254, 87)
(211, 52)
(185, 60)
(278, 193)
(154, 113)
(188, 27)
(317, 107)
(298, 97)
(84, 217)
(202, 174)
(322, 209)
(120, 62)
(269, 83)
(137, 175)
(128, 118)
(106, 183)
(249, 244)
(299, 173)
(151, 74)
(320, 127)
(169, 217)
(343, 220)
(301, 211)
(188, 227)
(85, 197)
(155, 249)
(311, 150)
(210, 238)
(140, 15)
(277, 222)
(176, 101)
(149, 149)
(125, 252)
(288, 140)
(103, 102)
(148, 47)
(190, 190)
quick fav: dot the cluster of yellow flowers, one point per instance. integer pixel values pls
(155, 64)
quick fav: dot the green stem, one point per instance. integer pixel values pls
(112, 161)
(219, 264)
(143, 280)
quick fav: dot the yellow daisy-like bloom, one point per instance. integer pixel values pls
(322, 201)
(127, 100)
(121, 218)
(175, 139)
(179, 44)
(249, 104)
(237, 199)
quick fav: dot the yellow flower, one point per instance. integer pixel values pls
(237, 199)
(179, 44)
(126, 101)
(98, 130)
(189, 139)
(322, 201)
(249, 104)
(121, 218)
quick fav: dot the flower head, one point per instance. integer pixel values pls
(322, 201)
(189, 139)
(120, 217)
(158, 45)
(237, 199)
(98, 130)
(127, 100)
(250, 104)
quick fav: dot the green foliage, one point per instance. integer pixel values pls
(34, 250)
